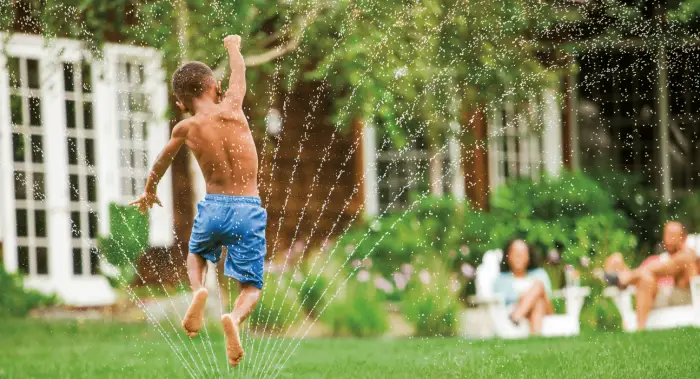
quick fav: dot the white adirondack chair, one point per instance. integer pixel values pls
(661, 318)
(557, 325)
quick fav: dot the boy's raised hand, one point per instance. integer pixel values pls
(146, 202)
(232, 41)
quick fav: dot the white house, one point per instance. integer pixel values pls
(76, 134)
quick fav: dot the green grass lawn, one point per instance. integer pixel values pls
(33, 349)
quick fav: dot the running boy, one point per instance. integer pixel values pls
(230, 218)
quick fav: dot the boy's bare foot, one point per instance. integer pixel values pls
(193, 318)
(234, 349)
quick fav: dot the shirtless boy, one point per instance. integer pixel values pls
(230, 219)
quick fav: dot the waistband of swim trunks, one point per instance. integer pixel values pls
(228, 199)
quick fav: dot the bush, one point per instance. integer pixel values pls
(317, 272)
(278, 304)
(599, 313)
(357, 310)
(128, 235)
(431, 304)
(571, 213)
(17, 301)
(127, 240)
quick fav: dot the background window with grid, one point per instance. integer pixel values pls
(133, 113)
(82, 178)
(405, 171)
(684, 118)
(515, 143)
(616, 113)
(28, 165)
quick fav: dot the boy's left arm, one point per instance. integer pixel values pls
(164, 160)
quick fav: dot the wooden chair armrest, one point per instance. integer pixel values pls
(579, 292)
(485, 301)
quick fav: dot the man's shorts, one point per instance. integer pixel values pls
(672, 296)
(237, 223)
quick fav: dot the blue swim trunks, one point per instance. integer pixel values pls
(238, 223)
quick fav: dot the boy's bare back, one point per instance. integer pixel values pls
(217, 133)
(221, 141)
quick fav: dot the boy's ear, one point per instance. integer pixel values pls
(219, 91)
(181, 106)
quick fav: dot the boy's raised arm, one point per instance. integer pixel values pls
(164, 160)
(236, 85)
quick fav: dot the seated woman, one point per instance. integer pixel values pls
(524, 286)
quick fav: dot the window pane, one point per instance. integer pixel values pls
(87, 77)
(18, 147)
(141, 73)
(92, 225)
(126, 186)
(33, 73)
(90, 151)
(94, 261)
(40, 223)
(20, 185)
(70, 114)
(144, 130)
(87, 115)
(124, 129)
(126, 158)
(74, 188)
(22, 224)
(34, 111)
(13, 66)
(37, 149)
(16, 109)
(77, 262)
(42, 261)
(23, 259)
(75, 224)
(72, 150)
(68, 78)
(92, 188)
(38, 186)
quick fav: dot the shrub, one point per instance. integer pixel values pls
(127, 240)
(17, 301)
(599, 312)
(431, 304)
(278, 304)
(317, 272)
(357, 310)
(571, 213)
(128, 235)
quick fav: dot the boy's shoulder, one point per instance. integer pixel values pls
(182, 128)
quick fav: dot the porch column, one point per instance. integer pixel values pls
(662, 110)
(552, 149)
(369, 163)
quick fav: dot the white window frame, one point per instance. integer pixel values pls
(83, 242)
(374, 181)
(30, 204)
(525, 143)
(132, 140)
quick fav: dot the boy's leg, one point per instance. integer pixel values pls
(195, 313)
(244, 305)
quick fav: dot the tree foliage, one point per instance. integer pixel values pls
(400, 63)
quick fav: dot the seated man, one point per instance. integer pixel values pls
(680, 263)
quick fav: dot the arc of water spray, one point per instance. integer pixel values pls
(308, 197)
(413, 204)
(354, 148)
